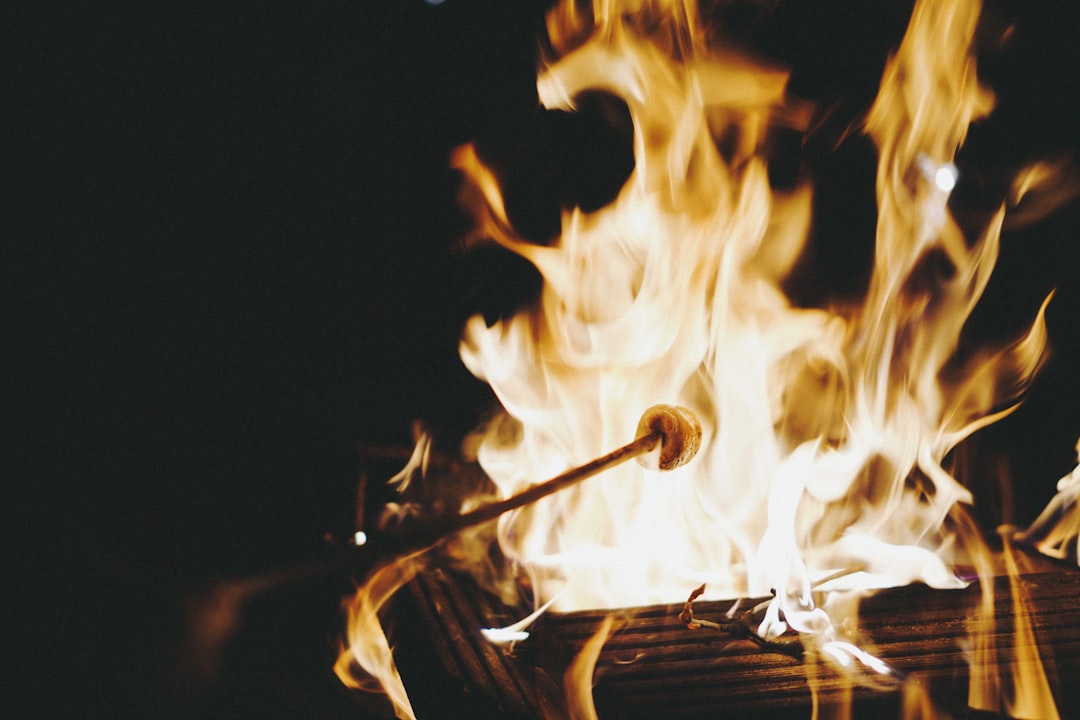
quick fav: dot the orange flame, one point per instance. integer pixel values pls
(1031, 696)
(1056, 532)
(826, 429)
(367, 663)
(579, 676)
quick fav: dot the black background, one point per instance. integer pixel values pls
(235, 259)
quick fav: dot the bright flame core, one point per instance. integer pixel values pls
(825, 429)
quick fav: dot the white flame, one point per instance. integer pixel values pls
(825, 429)
(822, 468)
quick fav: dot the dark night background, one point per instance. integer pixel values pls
(235, 261)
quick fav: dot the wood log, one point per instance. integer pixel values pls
(654, 666)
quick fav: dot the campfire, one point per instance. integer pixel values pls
(794, 461)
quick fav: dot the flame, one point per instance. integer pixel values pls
(1031, 696)
(823, 466)
(368, 663)
(1056, 532)
(579, 675)
(826, 429)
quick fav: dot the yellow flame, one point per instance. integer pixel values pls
(917, 704)
(825, 429)
(578, 679)
(1056, 532)
(367, 663)
(1031, 696)
(984, 683)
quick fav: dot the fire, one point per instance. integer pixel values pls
(1056, 532)
(826, 430)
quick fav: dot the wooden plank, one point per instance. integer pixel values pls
(454, 610)
(653, 666)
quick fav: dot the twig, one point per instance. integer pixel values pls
(739, 628)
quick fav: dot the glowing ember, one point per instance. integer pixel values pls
(825, 430)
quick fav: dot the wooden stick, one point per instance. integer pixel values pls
(492, 510)
(674, 430)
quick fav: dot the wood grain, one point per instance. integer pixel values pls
(653, 666)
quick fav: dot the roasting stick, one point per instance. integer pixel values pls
(675, 431)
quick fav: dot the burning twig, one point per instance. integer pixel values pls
(738, 627)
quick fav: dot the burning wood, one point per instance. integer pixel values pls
(737, 626)
(824, 433)
(653, 666)
(667, 437)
